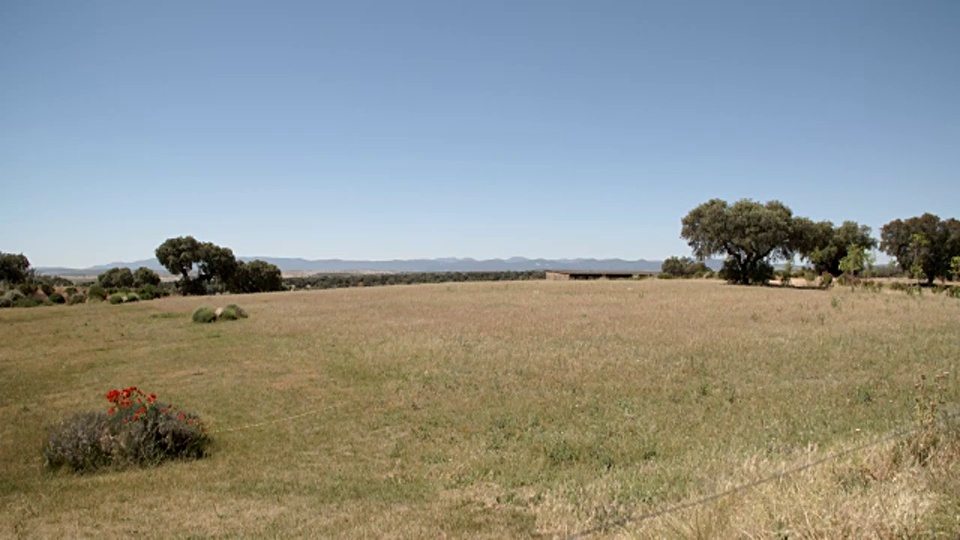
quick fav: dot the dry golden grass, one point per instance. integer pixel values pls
(492, 410)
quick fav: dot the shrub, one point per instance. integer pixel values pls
(97, 291)
(204, 315)
(77, 298)
(5, 302)
(149, 292)
(27, 302)
(145, 276)
(57, 298)
(70, 291)
(76, 443)
(27, 289)
(136, 430)
(132, 297)
(826, 280)
(232, 313)
(47, 288)
(116, 298)
(13, 295)
(115, 278)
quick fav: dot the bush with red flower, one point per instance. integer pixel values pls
(137, 429)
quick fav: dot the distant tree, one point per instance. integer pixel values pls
(178, 256)
(855, 260)
(145, 276)
(14, 269)
(825, 245)
(683, 267)
(256, 276)
(116, 278)
(750, 234)
(215, 265)
(955, 267)
(923, 246)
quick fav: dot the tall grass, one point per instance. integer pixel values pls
(492, 410)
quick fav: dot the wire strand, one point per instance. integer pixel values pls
(631, 518)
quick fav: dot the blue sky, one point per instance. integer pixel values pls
(381, 130)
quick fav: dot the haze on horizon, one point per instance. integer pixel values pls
(376, 131)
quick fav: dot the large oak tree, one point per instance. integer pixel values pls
(922, 245)
(750, 234)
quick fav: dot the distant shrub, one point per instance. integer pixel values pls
(27, 302)
(149, 292)
(131, 297)
(233, 312)
(136, 430)
(872, 286)
(145, 276)
(826, 280)
(204, 315)
(13, 295)
(97, 291)
(47, 288)
(683, 267)
(27, 289)
(57, 298)
(116, 278)
(116, 298)
(70, 291)
(75, 299)
(5, 302)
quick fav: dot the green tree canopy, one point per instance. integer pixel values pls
(256, 276)
(750, 234)
(116, 278)
(145, 276)
(922, 245)
(14, 268)
(825, 245)
(683, 267)
(215, 265)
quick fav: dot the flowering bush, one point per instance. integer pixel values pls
(137, 429)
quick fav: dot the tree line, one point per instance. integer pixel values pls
(752, 236)
(336, 281)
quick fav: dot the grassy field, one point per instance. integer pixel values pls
(496, 410)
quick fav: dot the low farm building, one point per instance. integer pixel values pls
(565, 275)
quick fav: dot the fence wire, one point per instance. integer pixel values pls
(637, 518)
(640, 517)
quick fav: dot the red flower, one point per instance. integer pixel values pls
(113, 395)
(181, 416)
(111, 411)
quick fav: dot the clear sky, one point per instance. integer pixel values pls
(380, 130)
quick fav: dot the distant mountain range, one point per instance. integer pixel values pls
(409, 265)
